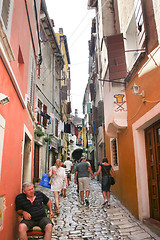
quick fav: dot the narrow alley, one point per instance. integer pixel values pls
(96, 222)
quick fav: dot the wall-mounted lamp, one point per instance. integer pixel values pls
(4, 99)
(135, 88)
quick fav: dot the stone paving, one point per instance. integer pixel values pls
(81, 222)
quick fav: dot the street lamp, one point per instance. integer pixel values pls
(4, 99)
(135, 88)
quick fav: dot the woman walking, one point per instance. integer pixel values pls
(58, 176)
(107, 171)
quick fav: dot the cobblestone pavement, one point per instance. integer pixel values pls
(95, 221)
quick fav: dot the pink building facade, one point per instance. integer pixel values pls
(19, 57)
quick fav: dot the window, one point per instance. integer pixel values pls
(114, 153)
(39, 117)
(139, 24)
(44, 118)
(135, 36)
(5, 12)
(20, 56)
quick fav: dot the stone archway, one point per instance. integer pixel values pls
(76, 154)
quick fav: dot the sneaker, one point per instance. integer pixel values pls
(105, 202)
(87, 202)
(82, 202)
(108, 205)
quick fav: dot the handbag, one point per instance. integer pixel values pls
(53, 173)
(45, 181)
(50, 181)
(111, 179)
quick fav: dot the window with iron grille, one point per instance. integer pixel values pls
(114, 152)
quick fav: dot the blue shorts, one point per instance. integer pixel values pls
(105, 184)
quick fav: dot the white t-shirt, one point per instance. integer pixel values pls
(68, 164)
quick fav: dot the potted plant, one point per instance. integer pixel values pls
(47, 139)
(38, 132)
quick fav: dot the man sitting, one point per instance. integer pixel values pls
(30, 204)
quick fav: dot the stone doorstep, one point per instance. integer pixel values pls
(153, 225)
(127, 230)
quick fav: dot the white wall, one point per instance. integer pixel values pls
(156, 8)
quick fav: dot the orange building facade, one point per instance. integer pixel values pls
(126, 65)
(138, 149)
(134, 147)
(18, 64)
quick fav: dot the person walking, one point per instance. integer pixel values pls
(58, 175)
(69, 165)
(107, 172)
(30, 204)
(83, 170)
(63, 191)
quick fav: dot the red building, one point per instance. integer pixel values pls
(19, 57)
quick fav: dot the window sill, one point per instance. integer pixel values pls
(5, 43)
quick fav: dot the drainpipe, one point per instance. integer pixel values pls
(46, 162)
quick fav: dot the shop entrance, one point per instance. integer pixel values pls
(152, 135)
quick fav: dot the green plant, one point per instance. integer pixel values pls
(38, 132)
(47, 139)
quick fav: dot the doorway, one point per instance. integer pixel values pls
(26, 174)
(36, 162)
(152, 137)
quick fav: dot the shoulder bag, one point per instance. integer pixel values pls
(111, 179)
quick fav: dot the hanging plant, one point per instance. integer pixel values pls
(38, 132)
(47, 139)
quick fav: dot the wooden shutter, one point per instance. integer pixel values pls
(44, 118)
(116, 57)
(32, 84)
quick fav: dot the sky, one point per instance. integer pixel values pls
(76, 20)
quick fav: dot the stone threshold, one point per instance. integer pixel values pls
(153, 224)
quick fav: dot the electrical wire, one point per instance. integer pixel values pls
(80, 23)
(145, 100)
(136, 112)
(86, 26)
(150, 101)
(78, 26)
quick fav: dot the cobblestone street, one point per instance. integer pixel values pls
(77, 221)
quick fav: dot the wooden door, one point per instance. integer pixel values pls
(152, 135)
